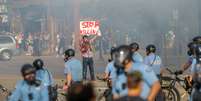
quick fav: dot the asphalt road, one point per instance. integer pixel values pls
(54, 64)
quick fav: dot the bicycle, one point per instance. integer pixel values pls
(107, 92)
(168, 85)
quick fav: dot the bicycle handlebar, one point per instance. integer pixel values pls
(169, 70)
(102, 79)
(175, 73)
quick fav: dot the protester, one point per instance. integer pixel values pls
(87, 54)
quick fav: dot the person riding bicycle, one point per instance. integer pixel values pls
(152, 60)
(45, 77)
(191, 53)
(124, 64)
(29, 89)
(134, 83)
(136, 55)
(191, 60)
(73, 68)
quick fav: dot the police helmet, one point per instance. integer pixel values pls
(27, 69)
(134, 46)
(197, 39)
(38, 64)
(151, 48)
(69, 53)
(122, 56)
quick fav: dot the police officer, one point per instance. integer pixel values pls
(196, 70)
(29, 89)
(110, 69)
(153, 60)
(191, 53)
(191, 62)
(136, 55)
(45, 77)
(42, 73)
(73, 68)
(124, 64)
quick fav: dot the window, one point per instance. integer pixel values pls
(5, 40)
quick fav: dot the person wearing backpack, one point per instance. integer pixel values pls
(153, 60)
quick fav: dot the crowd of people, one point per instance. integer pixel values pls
(133, 78)
(35, 44)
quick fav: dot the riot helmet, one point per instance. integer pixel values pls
(69, 53)
(122, 56)
(150, 49)
(38, 64)
(134, 46)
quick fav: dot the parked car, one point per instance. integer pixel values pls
(7, 47)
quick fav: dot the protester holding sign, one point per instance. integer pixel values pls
(87, 54)
(88, 28)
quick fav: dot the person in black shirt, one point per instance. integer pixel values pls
(134, 84)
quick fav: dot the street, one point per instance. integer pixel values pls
(10, 70)
(54, 64)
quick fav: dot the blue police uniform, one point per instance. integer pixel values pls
(192, 61)
(196, 68)
(149, 78)
(26, 92)
(137, 57)
(153, 61)
(45, 77)
(74, 67)
(110, 69)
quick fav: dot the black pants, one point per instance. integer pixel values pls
(88, 62)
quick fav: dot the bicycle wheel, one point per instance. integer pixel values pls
(171, 94)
